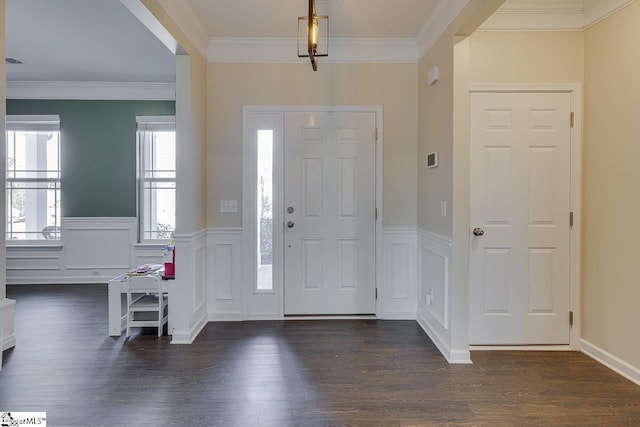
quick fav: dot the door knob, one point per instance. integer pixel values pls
(478, 231)
(290, 224)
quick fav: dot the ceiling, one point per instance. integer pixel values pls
(82, 40)
(102, 41)
(278, 18)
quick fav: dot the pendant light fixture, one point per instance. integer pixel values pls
(313, 31)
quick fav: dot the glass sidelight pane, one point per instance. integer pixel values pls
(265, 210)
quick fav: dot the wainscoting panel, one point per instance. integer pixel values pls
(25, 259)
(398, 292)
(434, 273)
(224, 272)
(111, 235)
(188, 307)
(434, 254)
(146, 254)
(92, 250)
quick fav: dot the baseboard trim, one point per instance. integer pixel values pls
(333, 317)
(612, 362)
(399, 315)
(452, 356)
(224, 317)
(188, 337)
(520, 348)
(8, 342)
(7, 316)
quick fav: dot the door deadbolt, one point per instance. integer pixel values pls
(290, 209)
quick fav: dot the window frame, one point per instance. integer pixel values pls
(26, 123)
(149, 124)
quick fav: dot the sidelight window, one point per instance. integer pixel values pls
(265, 210)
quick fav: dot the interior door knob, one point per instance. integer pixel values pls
(478, 231)
(290, 224)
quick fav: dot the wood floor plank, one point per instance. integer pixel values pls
(286, 373)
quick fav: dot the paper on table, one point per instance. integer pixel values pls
(145, 269)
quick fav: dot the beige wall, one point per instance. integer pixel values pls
(436, 134)
(231, 86)
(527, 57)
(611, 197)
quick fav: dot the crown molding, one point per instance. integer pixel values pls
(443, 14)
(284, 50)
(92, 91)
(543, 15)
(599, 10)
(188, 22)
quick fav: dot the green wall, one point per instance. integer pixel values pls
(98, 149)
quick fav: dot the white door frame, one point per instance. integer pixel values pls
(249, 206)
(575, 90)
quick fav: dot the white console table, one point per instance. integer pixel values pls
(118, 286)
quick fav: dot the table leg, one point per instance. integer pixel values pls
(115, 309)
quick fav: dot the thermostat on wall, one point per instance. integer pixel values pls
(432, 160)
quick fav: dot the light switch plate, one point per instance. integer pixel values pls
(228, 206)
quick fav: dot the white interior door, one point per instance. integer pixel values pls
(329, 202)
(520, 199)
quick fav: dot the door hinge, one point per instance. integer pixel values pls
(572, 119)
(376, 134)
(376, 293)
(570, 219)
(571, 318)
(376, 214)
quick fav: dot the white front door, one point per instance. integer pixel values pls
(329, 202)
(520, 200)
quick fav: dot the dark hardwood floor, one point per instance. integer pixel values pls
(292, 373)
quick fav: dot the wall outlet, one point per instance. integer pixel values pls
(443, 209)
(228, 206)
(429, 297)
